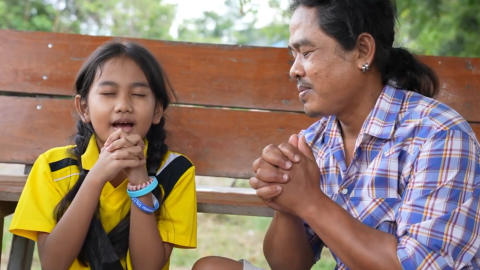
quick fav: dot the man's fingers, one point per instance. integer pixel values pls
(293, 140)
(290, 151)
(256, 183)
(305, 148)
(272, 155)
(271, 175)
(269, 192)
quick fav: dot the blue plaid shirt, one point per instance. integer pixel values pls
(415, 174)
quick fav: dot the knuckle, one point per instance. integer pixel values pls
(284, 145)
(268, 149)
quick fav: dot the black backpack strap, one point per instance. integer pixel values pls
(103, 256)
(171, 173)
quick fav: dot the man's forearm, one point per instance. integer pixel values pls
(356, 245)
(286, 244)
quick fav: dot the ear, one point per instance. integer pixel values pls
(157, 115)
(366, 50)
(82, 108)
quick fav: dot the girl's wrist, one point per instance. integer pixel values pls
(138, 177)
(94, 182)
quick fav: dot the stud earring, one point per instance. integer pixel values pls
(365, 67)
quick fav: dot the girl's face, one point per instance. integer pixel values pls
(120, 97)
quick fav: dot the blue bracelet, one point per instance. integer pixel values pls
(143, 191)
(145, 208)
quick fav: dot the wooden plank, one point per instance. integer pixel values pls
(459, 83)
(208, 74)
(219, 200)
(235, 210)
(21, 253)
(233, 201)
(203, 74)
(219, 142)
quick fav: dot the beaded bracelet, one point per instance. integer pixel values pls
(145, 208)
(144, 188)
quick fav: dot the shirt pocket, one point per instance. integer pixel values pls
(374, 211)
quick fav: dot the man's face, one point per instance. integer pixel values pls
(326, 77)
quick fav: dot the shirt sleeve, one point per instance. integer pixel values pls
(315, 242)
(438, 221)
(178, 220)
(35, 209)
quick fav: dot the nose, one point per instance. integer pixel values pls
(297, 70)
(123, 104)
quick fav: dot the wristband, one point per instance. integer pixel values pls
(143, 191)
(145, 208)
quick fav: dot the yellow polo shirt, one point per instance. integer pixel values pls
(55, 172)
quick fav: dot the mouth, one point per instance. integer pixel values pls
(125, 124)
(303, 90)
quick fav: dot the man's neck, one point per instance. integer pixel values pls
(351, 121)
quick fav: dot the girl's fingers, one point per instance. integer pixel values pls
(131, 140)
(134, 153)
(118, 134)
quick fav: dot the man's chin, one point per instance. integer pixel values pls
(312, 113)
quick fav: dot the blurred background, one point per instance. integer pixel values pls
(427, 27)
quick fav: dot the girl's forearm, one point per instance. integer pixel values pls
(147, 249)
(62, 246)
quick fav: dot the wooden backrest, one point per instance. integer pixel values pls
(37, 71)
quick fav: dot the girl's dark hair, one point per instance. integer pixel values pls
(345, 20)
(156, 136)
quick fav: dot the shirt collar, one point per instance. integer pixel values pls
(381, 121)
(90, 157)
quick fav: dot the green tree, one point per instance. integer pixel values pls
(237, 25)
(32, 15)
(440, 27)
(429, 27)
(130, 18)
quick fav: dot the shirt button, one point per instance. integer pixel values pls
(344, 191)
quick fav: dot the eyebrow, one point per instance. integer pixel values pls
(301, 43)
(114, 84)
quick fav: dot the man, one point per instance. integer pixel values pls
(399, 173)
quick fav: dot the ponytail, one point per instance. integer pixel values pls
(407, 72)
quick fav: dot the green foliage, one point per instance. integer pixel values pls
(130, 18)
(440, 27)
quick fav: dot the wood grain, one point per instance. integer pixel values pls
(219, 75)
(219, 142)
(203, 74)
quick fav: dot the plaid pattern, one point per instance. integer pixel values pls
(415, 174)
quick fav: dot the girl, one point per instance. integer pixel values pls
(118, 198)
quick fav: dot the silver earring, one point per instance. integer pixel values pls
(365, 67)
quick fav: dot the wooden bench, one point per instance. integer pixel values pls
(233, 101)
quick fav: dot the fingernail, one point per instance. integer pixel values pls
(277, 188)
(285, 177)
(296, 158)
(288, 164)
